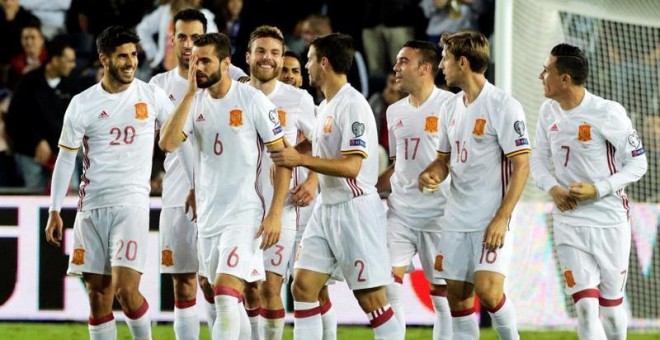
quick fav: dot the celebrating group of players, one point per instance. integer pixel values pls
(248, 200)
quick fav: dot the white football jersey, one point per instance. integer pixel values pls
(116, 131)
(346, 126)
(295, 110)
(229, 135)
(480, 138)
(413, 136)
(594, 143)
(175, 183)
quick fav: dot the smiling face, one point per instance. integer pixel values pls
(265, 58)
(185, 32)
(407, 70)
(291, 72)
(122, 63)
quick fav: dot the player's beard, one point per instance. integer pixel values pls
(210, 81)
(113, 71)
(265, 75)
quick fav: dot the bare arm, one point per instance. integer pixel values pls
(496, 230)
(384, 183)
(348, 166)
(272, 224)
(171, 134)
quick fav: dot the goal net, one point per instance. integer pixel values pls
(622, 41)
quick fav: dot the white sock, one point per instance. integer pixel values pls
(255, 322)
(273, 323)
(246, 331)
(442, 323)
(385, 325)
(589, 325)
(615, 321)
(186, 322)
(504, 320)
(139, 322)
(329, 321)
(464, 325)
(103, 329)
(227, 323)
(307, 321)
(394, 297)
(210, 315)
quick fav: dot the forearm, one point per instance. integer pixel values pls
(631, 172)
(541, 174)
(171, 134)
(384, 183)
(304, 147)
(440, 166)
(516, 186)
(66, 162)
(281, 181)
(348, 166)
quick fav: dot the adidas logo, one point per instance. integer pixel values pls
(103, 115)
(399, 123)
(255, 272)
(554, 128)
(200, 118)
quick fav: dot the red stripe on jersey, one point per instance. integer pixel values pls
(357, 191)
(624, 201)
(350, 185)
(84, 181)
(295, 183)
(610, 157)
(505, 170)
(257, 187)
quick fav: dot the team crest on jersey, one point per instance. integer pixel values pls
(236, 118)
(438, 263)
(78, 256)
(519, 128)
(431, 125)
(570, 280)
(281, 114)
(166, 258)
(479, 127)
(358, 129)
(584, 132)
(141, 112)
(327, 126)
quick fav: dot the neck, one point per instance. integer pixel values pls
(10, 13)
(33, 54)
(111, 85)
(50, 72)
(473, 85)
(419, 95)
(219, 89)
(267, 87)
(183, 71)
(572, 98)
(333, 83)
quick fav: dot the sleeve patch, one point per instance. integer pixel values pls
(638, 152)
(277, 129)
(522, 141)
(357, 142)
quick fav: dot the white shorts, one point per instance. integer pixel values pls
(235, 252)
(109, 237)
(594, 258)
(352, 236)
(276, 258)
(404, 242)
(462, 254)
(178, 242)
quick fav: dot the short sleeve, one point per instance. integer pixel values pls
(511, 130)
(73, 127)
(265, 118)
(444, 145)
(353, 123)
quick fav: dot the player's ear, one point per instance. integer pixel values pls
(103, 59)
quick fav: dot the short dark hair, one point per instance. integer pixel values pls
(338, 49)
(220, 43)
(266, 31)
(293, 55)
(469, 44)
(572, 61)
(190, 14)
(115, 36)
(428, 52)
(55, 48)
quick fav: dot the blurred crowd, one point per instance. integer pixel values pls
(49, 55)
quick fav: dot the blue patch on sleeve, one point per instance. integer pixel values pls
(638, 152)
(522, 141)
(277, 129)
(357, 142)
